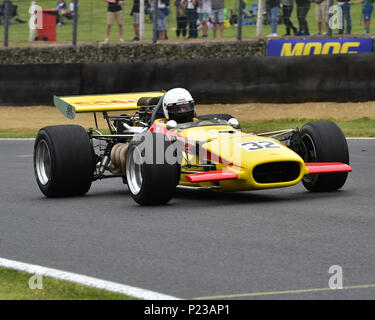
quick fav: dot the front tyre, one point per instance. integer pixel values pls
(64, 161)
(151, 177)
(323, 141)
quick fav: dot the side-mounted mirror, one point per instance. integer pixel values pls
(171, 125)
(233, 122)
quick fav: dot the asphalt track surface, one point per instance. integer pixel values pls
(201, 244)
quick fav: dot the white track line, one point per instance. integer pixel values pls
(84, 280)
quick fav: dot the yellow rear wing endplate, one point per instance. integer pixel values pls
(69, 106)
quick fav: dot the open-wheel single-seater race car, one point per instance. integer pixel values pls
(154, 156)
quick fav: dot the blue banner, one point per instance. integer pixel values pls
(306, 47)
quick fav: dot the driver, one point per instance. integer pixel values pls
(178, 105)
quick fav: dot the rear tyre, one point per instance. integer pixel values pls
(151, 179)
(64, 161)
(323, 141)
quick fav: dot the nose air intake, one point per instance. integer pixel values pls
(275, 172)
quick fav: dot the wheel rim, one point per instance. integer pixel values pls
(309, 153)
(43, 162)
(134, 170)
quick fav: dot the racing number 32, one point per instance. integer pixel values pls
(258, 145)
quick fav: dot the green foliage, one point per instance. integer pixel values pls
(363, 127)
(14, 285)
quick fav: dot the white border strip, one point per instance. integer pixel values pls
(84, 280)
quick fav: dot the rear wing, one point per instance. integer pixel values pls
(69, 106)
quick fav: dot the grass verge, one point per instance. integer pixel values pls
(363, 127)
(14, 285)
(18, 134)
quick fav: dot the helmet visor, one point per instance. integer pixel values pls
(181, 107)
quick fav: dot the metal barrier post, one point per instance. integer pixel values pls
(260, 18)
(155, 22)
(141, 19)
(239, 20)
(6, 22)
(75, 23)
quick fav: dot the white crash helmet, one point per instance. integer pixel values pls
(178, 105)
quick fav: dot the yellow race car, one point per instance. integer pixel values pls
(155, 156)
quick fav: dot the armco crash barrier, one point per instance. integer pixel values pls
(272, 79)
(269, 79)
(36, 84)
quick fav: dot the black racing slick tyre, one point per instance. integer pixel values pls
(323, 141)
(64, 161)
(151, 175)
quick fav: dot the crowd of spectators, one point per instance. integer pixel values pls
(191, 16)
(199, 16)
(196, 18)
(322, 8)
(209, 13)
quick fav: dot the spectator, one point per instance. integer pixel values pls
(366, 11)
(303, 7)
(70, 13)
(61, 10)
(149, 9)
(181, 18)
(287, 12)
(345, 10)
(273, 9)
(192, 16)
(161, 19)
(114, 13)
(163, 12)
(204, 10)
(321, 14)
(135, 17)
(218, 16)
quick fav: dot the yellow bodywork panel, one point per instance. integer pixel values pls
(69, 106)
(238, 152)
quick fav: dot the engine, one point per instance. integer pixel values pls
(146, 107)
(115, 154)
(118, 158)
